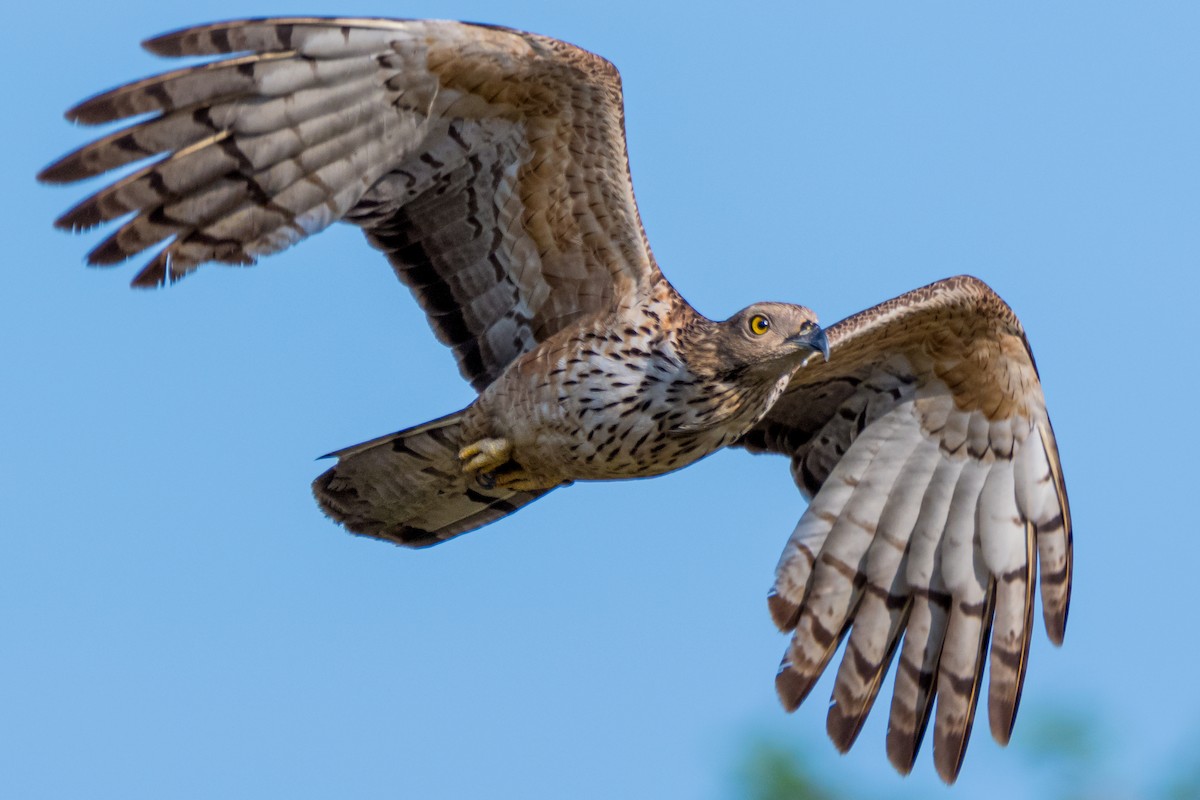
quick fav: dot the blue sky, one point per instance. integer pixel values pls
(180, 620)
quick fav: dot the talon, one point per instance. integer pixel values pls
(485, 455)
(518, 481)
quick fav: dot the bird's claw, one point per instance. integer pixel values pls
(513, 480)
(517, 480)
(490, 461)
(485, 456)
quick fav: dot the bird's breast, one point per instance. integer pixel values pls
(608, 406)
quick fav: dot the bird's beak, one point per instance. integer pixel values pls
(814, 342)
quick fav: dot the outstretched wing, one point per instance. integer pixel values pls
(488, 164)
(935, 487)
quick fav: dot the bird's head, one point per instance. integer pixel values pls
(771, 338)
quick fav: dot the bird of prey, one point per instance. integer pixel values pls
(489, 166)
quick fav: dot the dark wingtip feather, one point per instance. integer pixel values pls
(65, 170)
(108, 253)
(1002, 717)
(1055, 613)
(784, 612)
(1004, 700)
(844, 723)
(83, 216)
(167, 45)
(174, 44)
(904, 747)
(949, 750)
(154, 274)
(791, 686)
(96, 110)
(209, 39)
(901, 753)
(843, 728)
(1055, 619)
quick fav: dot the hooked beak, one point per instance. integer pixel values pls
(814, 341)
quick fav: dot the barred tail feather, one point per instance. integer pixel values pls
(409, 487)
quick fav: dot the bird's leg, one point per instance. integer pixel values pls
(518, 480)
(485, 458)
(490, 461)
(485, 455)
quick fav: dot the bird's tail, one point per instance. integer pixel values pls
(409, 487)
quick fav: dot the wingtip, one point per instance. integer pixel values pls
(791, 686)
(904, 739)
(95, 110)
(169, 44)
(56, 174)
(1055, 619)
(1001, 722)
(949, 773)
(154, 274)
(843, 728)
(83, 216)
(901, 752)
(156, 44)
(784, 612)
(77, 114)
(1056, 626)
(108, 253)
(949, 752)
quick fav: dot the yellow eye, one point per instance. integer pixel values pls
(759, 324)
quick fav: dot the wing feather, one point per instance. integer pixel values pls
(1042, 500)
(488, 164)
(916, 677)
(796, 566)
(940, 380)
(886, 603)
(833, 582)
(960, 668)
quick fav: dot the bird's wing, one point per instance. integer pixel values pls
(488, 164)
(935, 488)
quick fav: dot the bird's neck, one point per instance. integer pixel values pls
(721, 392)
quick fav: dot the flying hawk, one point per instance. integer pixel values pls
(489, 166)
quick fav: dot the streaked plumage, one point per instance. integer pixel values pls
(489, 166)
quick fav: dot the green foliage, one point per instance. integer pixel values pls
(772, 772)
(1063, 753)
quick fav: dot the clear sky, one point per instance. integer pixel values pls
(179, 620)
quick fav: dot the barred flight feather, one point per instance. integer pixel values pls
(832, 588)
(309, 121)
(966, 578)
(916, 679)
(886, 604)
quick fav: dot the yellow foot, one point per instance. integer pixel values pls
(490, 461)
(485, 455)
(518, 480)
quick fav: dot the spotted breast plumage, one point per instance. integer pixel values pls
(489, 166)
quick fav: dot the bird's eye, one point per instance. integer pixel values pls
(759, 324)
